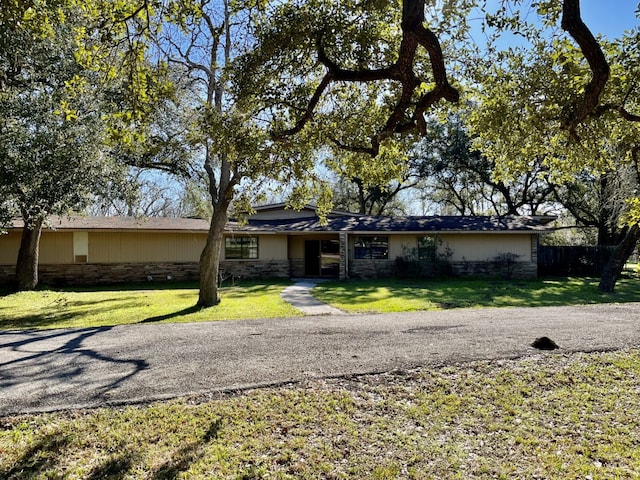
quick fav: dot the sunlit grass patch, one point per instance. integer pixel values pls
(392, 295)
(136, 304)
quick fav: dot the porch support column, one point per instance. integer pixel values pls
(344, 256)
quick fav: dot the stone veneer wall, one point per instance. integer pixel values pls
(387, 268)
(344, 251)
(520, 270)
(7, 274)
(105, 273)
(93, 274)
(296, 267)
(367, 268)
(255, 268)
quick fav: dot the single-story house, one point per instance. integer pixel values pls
(278, 242)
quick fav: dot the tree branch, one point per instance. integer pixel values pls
(309, 112)
(572, 23)
(353, 148)
(400, 120)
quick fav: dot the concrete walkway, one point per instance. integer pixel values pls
(299, 295)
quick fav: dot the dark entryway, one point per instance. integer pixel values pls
(321, 258)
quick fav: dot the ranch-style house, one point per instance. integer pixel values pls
(279, 242)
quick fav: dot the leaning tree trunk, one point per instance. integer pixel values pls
(210, 260)
(621, 254)
(27, 264)
(221, 198)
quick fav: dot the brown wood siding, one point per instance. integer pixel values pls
(141, 247)
(485, 247)
(9, 246)
(56, 248)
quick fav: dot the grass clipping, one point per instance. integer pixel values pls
(548, 416)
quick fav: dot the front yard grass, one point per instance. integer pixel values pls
(125, 304)
(548, 416)
(392, 295)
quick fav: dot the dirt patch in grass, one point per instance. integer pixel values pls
(547, 416)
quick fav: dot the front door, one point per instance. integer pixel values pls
(312, 258)
(321, 258)
(329, 258)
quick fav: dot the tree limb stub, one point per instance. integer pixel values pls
(353, 148)
(631, 117)
(308, 114)
(572, 23)
(401, 119)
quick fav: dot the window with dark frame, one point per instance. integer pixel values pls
(370, 246)
(240, 248)
(427, 248)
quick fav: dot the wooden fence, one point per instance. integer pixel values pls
(578, 261)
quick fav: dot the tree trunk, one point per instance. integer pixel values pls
(621, 254)
(210, 260)
(27, 264)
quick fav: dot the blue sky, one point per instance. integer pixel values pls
(610, 17)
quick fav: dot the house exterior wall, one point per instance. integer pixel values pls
(120, 256)
(55, 247)
(145, 247)
(272, 261)
(254, 269)
(270, 247)
(484, 247)
(115, 256)
(465, 254)
(108, 273)
(375, 268)
(9, 246)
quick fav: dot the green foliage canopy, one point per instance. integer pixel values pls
(51, 135)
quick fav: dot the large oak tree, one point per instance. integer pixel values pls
(568, 103)
(50, 135)
(391, 55)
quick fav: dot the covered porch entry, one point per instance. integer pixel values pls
(315, 255)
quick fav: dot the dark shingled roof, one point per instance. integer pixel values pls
(343, 223)
(125, 223)
(364, 223)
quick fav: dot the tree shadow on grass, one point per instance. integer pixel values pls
(46, 456)
(38, 459)
(169, 316)
(115, 467)
(181, 460)
(59, 312)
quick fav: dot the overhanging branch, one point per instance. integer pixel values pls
(572, 23)
(407, 114)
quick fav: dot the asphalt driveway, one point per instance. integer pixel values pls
(72, 368)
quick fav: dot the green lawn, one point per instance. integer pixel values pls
(389, 295)
(549, 416)
(92, 307)
(137, 304)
